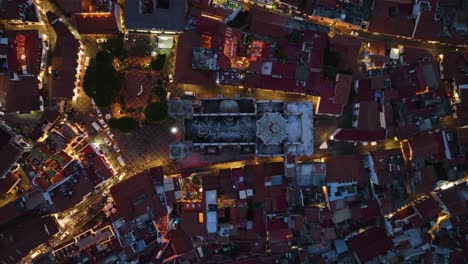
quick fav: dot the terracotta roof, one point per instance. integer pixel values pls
(351, 134)
(342, 88)
(429, 209)
(102, 23)
(38, 229)
(370, 244)
(369, 116)
(345, 168)
(134, 196)
(21, 95)
(427, 28)
(381, 166)
(189, 223)
(427, 146)
(8, 150)
(454, 199)
(326, 105)
(8, 182)
(64, 62)
(266, 23)
(29, 40)
(394, 24)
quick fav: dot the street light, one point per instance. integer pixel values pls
(173, 130)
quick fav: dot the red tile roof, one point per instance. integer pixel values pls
(429, 209)
(184, 73)
(266, 23)
(24, 235)
(327, 95)
(207, 25)
(285, 70)
(8, 182)
(427, 28)
(350, 134)
(189, 223)
(134, 196)
(427, 146)
(345, 168)
(24, 42)
(369, 116)
(21, 95)
(398, 24)
(102, 23)
(453, 199)
(342, 88)
(370, 244)
(64, 62)
(381, 167)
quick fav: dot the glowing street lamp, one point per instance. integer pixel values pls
(173, 130)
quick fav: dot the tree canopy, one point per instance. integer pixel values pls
(158, 63)
(124, 124)
(116, 47)
(102, 82)
(159, 90)
(155, 112)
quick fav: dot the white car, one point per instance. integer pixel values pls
(116, 148)
(108, 142)
(101, 40)
(99, 113)
(354, 33)
(102, 123)
(169, 77)
(110, 134)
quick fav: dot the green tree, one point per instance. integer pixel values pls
(116, 47)
(158, 63)
(124, 124)
(160, 91)
(155, 112)
(102, 82)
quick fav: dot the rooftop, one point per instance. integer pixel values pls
(101, 23)
(345, 168)
(23, 10)
(14, 245)
(64, 61)
(9, 151)
(155, 15)
(370, 244)
(137, 196)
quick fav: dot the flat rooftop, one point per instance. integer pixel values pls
(155, 15)
(221, 129)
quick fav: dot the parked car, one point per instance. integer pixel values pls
(108, 142)
(110, 134)
(116, 148)
(170, 79)
(99, 113)
(97, 127)
(190, 94)
(101, 40)
(103, 123)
